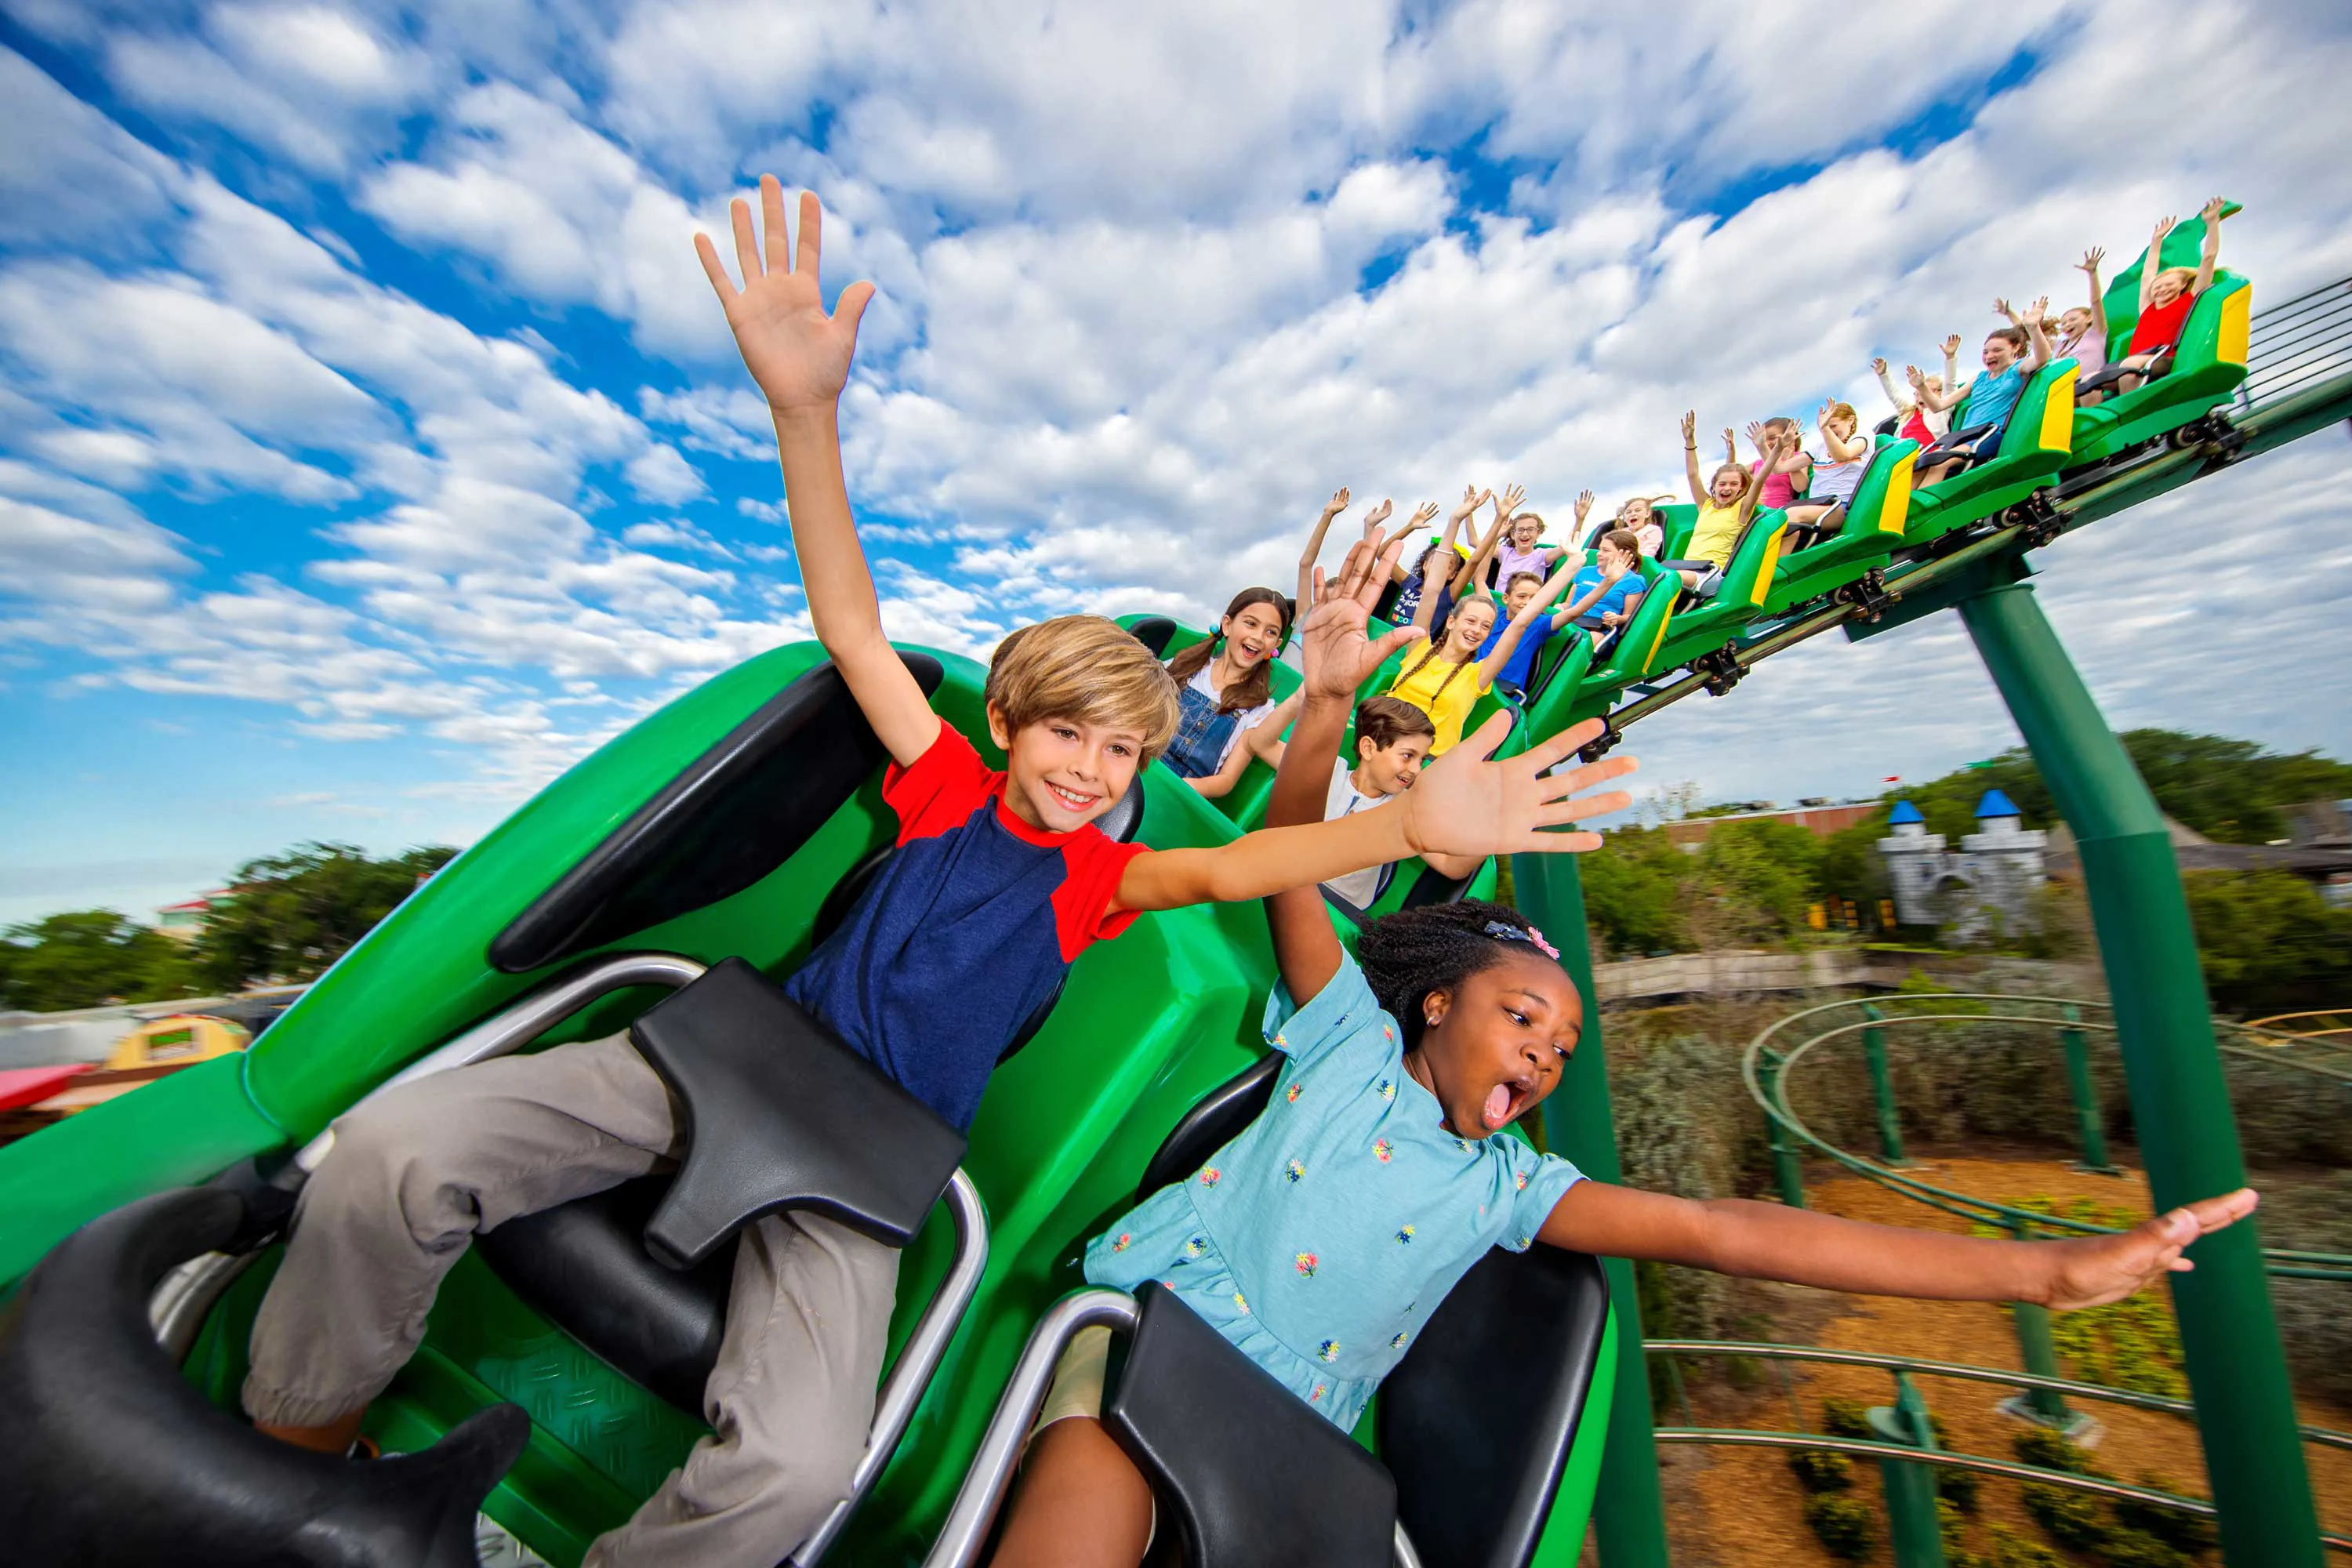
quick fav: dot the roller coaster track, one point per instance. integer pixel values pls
(2298, 381)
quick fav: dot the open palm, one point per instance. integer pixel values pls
(798, 354)
(1334, 650)
(1464, 804)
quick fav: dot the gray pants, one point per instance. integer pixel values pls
(417, 1171)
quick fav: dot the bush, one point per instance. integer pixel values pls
(2075, 1519)
(2052, 1451)
(1957, 1487)
(2269, 942)
(2188, 1533)
(2010, 1550)
(2138, 1549)
(1847, 1526)
(1821, 1469)
(1846, 1418)
(1952, 1526)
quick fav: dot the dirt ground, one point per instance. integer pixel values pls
(1729, 1507)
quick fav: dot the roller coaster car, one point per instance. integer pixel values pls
(714, 829)
(1708, 625)
(1873, 524)
(1469, 1463)
(2208, 361)
(2034, 445)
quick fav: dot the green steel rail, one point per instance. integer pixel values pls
(1771, 1097)
(2009, 1470)
(2219, 441)
(1765, 1349)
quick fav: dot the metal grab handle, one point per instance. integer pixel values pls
(910, 1376)
(984, 1485)
(186, 1297)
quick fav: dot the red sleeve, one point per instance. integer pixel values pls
(940, 789)
(1082, 911)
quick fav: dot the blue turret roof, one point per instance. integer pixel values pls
(1996, 804)
(1903, 812)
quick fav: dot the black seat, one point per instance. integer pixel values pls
(112, 1457)
(782, 1115)
(1248, 1477)
(1153, 632)
(1476, 1456)
(733, 815)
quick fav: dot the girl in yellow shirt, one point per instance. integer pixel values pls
(1448, 677)
(1725, 502)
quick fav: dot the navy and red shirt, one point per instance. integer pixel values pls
(966, 930)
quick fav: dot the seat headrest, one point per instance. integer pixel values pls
(1153, 632)
(1124, 820)
(1212, 1124)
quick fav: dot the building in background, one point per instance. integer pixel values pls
(1819, 817)
(1987, 886)
(184, 922)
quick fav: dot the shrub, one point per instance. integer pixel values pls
(2052, 1451)
(1845, 1418)
(2010, 1550)
(1846, 1525)
(2075, 1519)
(1957, 1487)
(1952, 1526)
(2138, 1549)
(1821, 1469)
(2185, 1532)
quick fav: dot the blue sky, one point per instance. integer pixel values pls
(370, 446)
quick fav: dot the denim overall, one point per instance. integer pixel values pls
(1202, 734)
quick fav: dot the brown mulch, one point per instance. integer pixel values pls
(1728, 1508)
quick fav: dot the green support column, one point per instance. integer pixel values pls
(1882, 1088)
(2037, 1348)
(1787, 1165)
(2180, 1104)
(1915, 1533)
(1629, 1515)
(2087, 1097)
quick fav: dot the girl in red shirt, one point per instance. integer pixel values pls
(2167, 295)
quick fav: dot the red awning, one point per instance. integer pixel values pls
(20, 1087)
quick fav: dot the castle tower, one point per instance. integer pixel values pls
(2005, 863)
(1915, 864)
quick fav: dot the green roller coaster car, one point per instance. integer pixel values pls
(1145, 1027)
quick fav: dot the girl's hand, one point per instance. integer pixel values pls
(2163, 226)
(1584, 506)
(1879, 364)
(1422, 515)
(799, 356)
(2035, 312)
(1731, 445)
(1951, 346)
(2212, 211)
(1478, 807)
(2093, 1270)
(1755, 434)
(2090, 262)
(1508, 506)
(1378, 515)
(1335, 655)
(1918, 382)
(1473, 498)
(1690, 429)
(1337, 504)
(2001, 307)
(1821, 419)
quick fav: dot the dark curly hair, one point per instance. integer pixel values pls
(1408, 954)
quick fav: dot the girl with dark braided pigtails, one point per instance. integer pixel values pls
(1319, 1241)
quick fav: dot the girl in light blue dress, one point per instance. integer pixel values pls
(1323, 1235)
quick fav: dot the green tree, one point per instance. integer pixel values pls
(1851, 868)
(289, 916)
(2269, 942)
(88, 959)
(1758, 876)
(1633, 893)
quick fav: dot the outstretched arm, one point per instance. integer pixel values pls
(2038, 354)
(800, 357)
(1554, 586)
(1331, 509)
(1840, 451)
(1903, 404)
(1690, 458)
(2089, 265)
(1753, 1240)
(1951, 369)
(2212, 250)
(2153, 262)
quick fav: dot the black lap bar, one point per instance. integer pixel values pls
(109, 1457)
(780, 1114)
(1246, 1473)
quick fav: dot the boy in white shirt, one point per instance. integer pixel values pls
(1392, 742)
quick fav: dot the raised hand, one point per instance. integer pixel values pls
(1335, 655)
(1951, 346)
(1878, 363)
(2035, 312)
(1337, 504)
(1755, 434)
(1509, 505)
(2090, 260)
(2212, 211)
(1480, 807)
(1731, 445)
(2091, 1271)
(1378, 515)
(1422, 516)
(1473, 498)
(1690, 429)
(1584, 506)
(1821, 419)
(1918, 382)
(799, 356)
(2163, 226)
(2001, 307)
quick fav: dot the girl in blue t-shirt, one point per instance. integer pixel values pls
(1321, 1238)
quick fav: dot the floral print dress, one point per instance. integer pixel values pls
(1320, 1239)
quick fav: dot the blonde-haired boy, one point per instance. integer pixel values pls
(1002, 879)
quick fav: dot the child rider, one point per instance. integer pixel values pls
(1392, 742)
(1002, 881)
